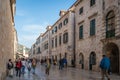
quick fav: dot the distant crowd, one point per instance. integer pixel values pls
(20, 64)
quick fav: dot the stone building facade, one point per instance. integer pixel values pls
(97, 33)
(37, 48)
(22, 51)
(63, 36)
(32, 51)
(86, 31)
(7, 10)
(41, 48)
(45, 43)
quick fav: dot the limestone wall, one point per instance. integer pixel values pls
(6, 35)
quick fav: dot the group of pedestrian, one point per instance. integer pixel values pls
(20, 65)
(62, 63)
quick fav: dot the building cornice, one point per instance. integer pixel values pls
(67, 12)
(12, 10)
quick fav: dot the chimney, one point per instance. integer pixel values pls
(62, 12)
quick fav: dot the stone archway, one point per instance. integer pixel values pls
(112, 51)
(92, 60)
(60, 56)
(65, 56)
(81, 60)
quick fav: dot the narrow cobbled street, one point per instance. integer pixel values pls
(65, 74)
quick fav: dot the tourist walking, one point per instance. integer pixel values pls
(23, 66)
(10, 66)
(65, 62)
(105, 65)
(34, 65)
(47, 67)
(60, 64)
(18, 67)
(29, 66)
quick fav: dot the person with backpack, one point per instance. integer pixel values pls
(105, 65)
(29, 66)
(10, 66)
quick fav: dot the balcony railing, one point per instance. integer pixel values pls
(110, 33)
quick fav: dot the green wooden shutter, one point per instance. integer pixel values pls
(81, 32)
(92, 27)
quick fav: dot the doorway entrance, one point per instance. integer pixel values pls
(92, 60)
(112, 51)
(81, 60)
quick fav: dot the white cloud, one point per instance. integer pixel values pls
(29, 33)
(32, 27)
(27, 40)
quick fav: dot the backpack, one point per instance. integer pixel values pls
(9, 65)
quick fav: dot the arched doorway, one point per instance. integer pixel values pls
(60, 56)
(92, 60)
(112, 51)
(56, 57)
(81, 60)
(65, 55)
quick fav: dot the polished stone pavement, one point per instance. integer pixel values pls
(65, 74)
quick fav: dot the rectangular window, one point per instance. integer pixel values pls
(81, 32)
(92, 27)
(92, 2)
(65, 21)
(60, 26)
(46, 45)
(60, 40)
(53, 31)
(65, 37)
(56, 29)
(56, 42)
(52, 43)
(39, 50)
(81, 10)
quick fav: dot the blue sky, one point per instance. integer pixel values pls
(33, 16)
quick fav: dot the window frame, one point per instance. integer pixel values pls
(65, 21)
(81, 11)
(60, 39)
(60, 26)
(81, 33)
(92, 2)
(55, 29)
(110, 32)
(52, 43)
(65, 37)
(56, 41)
(92, 27)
